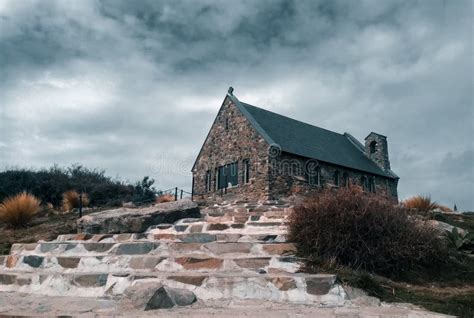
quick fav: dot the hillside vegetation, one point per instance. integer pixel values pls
(394, 252)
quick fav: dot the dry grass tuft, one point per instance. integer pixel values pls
(421, 203)
(165, 198)
(71, 200)
(18, 210)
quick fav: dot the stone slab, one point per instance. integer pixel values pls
(128, 220)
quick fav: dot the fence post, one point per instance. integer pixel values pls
(176, 194)
(181, 194)
(80, 205)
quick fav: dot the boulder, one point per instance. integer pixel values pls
(127, 220)
(152, 295)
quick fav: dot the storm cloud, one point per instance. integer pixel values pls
(133, 86)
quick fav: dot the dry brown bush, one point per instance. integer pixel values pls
(352, 228)
(165, 198)
(421, 203)
(71, 200)
(18, 210)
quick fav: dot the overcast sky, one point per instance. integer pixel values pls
(133, 86)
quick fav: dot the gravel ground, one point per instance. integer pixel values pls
(27, 305)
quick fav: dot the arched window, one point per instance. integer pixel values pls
(373, 146)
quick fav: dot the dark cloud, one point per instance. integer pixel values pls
(134, 87)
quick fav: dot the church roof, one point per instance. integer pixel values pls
(302, 139)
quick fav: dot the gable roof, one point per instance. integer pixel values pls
(309, 141)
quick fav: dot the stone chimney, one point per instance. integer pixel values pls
(376, 149)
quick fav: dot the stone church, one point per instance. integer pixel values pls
(252, 153)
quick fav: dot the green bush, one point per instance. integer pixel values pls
(48, 185)
(364, 231)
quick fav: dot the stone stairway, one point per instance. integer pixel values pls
(234, 251)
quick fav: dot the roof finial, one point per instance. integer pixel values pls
(231, 91)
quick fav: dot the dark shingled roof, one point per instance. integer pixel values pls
(309, 141)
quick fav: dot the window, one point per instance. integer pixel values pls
(363, 183)
(314, 177)
(336, 178)
(227, 176)
(372, 185)
(373, 146)
(246, 172)
(208, 180)
(226, 124)
(345, 179)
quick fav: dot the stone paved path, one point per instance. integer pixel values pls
(17, 304)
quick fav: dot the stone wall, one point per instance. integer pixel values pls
(240, 141)
(380, 153)
(287, 177)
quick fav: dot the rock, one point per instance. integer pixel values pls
(192, 263)
(136, 248)
(91, 280)
(98, 247)
(199, 238)
(318, 286)
(280, 249)
(152, 295)
(11, 261)
(127, 220)
(33, 260)
(180, 228)
(255, 263)
(283, 283)
(445, 227)
(228, 248)
(196, 228)
(360, 298)
(147, 262)
(190, 280)
(6, 279)
(69, 262)
(217, 227)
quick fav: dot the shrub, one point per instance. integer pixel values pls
(421, 203)
(48, 185)
(143, 192)
(165, 198)
(19, 209)
(364, 231)
(71, 200)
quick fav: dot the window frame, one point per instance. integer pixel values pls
(337, 179)
(246, 171)
(311, 178)
(208, 181)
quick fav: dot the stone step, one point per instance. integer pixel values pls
(222, 227)
(292, 288)
(240, 213)
(155, 263)
(173, 237)
(158, 248)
